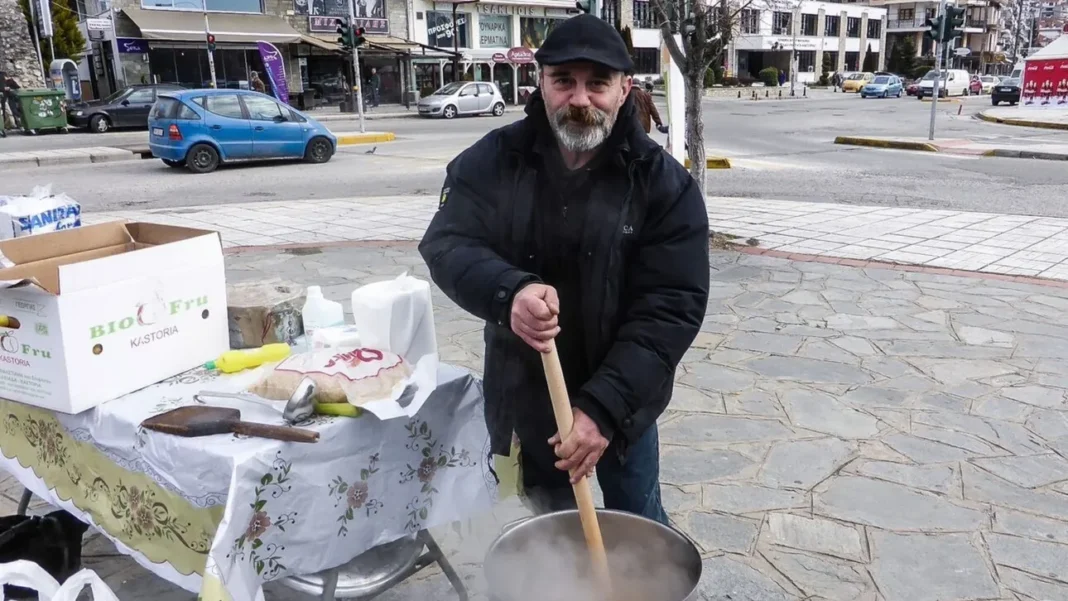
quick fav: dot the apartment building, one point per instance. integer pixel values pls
(908, 19)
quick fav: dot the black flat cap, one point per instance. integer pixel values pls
(585, 38)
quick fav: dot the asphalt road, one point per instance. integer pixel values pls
(780, 149)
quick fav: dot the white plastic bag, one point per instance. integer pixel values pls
(32, 576)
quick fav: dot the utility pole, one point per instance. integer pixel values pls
(356, 65)
(36, 39)
(940, 21)
(793, 51)
(210, 40)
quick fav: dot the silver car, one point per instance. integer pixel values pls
(463, 98)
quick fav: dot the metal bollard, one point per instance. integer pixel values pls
(804, 93)
(739, 94)
(791, 93)
(767, 93)
(780, 93)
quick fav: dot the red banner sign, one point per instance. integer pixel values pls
(1045, 83)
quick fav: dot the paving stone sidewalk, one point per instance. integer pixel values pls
(837, 433)
(1005, 244)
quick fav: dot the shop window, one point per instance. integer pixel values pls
(262, 109)
(494, 31)
(440, 29)
(227, 6)
(806, 61)
(534, 30)
(224, 105)
(875, 28)
(852, 61)
(646, 60)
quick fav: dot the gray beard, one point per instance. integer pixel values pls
(581, 138)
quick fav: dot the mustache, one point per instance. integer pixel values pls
(583, 116)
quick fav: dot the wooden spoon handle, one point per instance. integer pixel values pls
(565, 420)
(276, 432)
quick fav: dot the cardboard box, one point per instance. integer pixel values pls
(100, 311)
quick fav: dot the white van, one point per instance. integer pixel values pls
(954, 82)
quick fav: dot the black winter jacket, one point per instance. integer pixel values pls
(643, 261)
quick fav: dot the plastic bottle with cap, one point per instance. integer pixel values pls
(235, 361)
(319, 312)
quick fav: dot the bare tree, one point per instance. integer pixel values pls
(706, 28)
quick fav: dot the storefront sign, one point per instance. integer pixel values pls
(439, 29)
(495, 31)
(275, 67)
(370, 14)
(518, 10)
(98, 24)
(534, 30)
(521, 55)
(1045, 83)
(499, 57)
(788, 43)
(132, 46)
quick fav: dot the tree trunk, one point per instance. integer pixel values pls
(695, 129)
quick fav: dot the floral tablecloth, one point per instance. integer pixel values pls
(221, 515)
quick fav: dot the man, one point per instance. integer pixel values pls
(376, 84)
(646, 108)
(573, 227)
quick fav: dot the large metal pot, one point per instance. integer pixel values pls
(533, 559)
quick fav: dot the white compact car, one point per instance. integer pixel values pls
(463, 98)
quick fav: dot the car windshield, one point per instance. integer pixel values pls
(1011, 82)
(450, 89)
(882, 80)
(931, 75)
(856, 76)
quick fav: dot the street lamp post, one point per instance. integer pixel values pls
(456, 38)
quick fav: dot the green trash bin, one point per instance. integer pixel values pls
(42, 109)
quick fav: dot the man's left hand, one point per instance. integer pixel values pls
(582, 449)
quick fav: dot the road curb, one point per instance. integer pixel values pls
(713, 163)
(365, 138)
(1022, 122)
(950, 100)
(880, 143)
(1027, 154)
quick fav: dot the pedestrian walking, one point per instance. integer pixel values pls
(572, 227)
(782, 78)
(646, 108)
(375, 84)
(256, 83)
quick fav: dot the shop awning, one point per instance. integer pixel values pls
(404, 47)
(323, 44)
(226, 27)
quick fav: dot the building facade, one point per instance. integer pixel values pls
(982, 31)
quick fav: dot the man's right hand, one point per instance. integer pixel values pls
(534, 315)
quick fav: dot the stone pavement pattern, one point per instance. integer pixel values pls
(837, 433)
(1004, 244)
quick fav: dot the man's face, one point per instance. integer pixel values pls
(582, 101)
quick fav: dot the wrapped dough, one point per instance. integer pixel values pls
(357, 376)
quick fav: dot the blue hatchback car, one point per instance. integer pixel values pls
(883, 86)
(200, 129)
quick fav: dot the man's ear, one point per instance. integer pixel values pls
(627, 81)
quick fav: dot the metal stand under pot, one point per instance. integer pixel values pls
(378, 570)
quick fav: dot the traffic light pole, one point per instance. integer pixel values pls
(938, 71)
(356, 66)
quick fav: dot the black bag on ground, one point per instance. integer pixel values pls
(53, 541)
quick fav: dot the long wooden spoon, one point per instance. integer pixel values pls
(565, 420)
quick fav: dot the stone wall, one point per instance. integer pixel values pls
(17, 54)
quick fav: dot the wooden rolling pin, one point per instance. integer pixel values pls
(565, 420)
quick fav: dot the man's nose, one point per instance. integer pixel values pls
(580, 98)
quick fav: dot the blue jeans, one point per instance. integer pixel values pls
(632, 485)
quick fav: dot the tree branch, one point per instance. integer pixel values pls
(677, 54)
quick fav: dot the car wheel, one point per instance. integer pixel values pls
(498, 109)
(994, 101)
(202, 158)
(449, 112)
(319, 150)
(175, 164)
(99, 124)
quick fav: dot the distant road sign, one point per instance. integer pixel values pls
(962, 51)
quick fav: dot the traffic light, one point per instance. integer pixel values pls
(357, 36)
(934, 30)
(211, 42)
(954, 23)
(344, 33)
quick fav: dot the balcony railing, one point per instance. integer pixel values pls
(906, 23)
(979, 23)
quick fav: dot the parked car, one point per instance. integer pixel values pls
(1008, 90)
(913, 88)
(200, 129)
(989, 81)
(883, 86)
(954, 82)
(463, 98)
(856, 81)
(128, 107)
